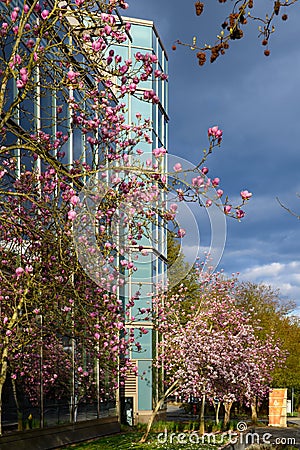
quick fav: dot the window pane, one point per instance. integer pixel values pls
(142, 36)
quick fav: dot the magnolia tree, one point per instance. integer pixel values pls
(50, 309)
(237, 16)
(209, 351)
(69, 163)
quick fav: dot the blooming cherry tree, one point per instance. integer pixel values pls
(209, 349)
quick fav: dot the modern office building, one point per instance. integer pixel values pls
(142, 392)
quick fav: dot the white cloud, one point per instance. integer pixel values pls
(282, 276)
(263, 271)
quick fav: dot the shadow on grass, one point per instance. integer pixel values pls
(130, 440)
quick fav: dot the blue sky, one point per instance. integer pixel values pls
(255, 100)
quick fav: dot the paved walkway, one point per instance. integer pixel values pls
(294, 420)
(286, 437)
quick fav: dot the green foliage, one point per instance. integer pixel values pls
(179, 269)
(272, 315)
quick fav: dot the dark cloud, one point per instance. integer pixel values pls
(255, 100)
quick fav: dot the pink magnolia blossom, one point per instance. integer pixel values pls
(227, 209)
(246, 195)
(14, 15)
(216, 133)
(20, 84)
(181, 232)
(72, 76)
(45, 13)
(74, 200)
(158, 152)
(19, 271)
(24, 75)
(72, 215)
(240, 214)
(177, 167)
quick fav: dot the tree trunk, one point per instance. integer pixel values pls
(1, 388)
(19, 412)
(254, 410)
(4, 356)
(217, 410)
(3, 375)
(158, 405)
(201, 417)
(227, 406)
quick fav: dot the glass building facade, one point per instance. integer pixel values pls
(142, 392)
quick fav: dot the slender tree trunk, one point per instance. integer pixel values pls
(158, 405)
(254, 410)
(217, 411)
(3, 375)
(4, 356)
(19, 412)
(201, 416)
(1, 389)
(227, 406)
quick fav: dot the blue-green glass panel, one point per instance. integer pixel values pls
(89, 156)
(147, 155)
(154, 114)
(146, 345)
(63, 122)
(165, 133)
(145, 241)
(160, 123)
(143, 300)
(77, 144)
(144, 289)
(47, 108)
(121, 51)
(142, 36)
(160, 54)
(143, 266)
(159, 90)
(142, 107)
(154, 42)
(145, 386)
(154, 138)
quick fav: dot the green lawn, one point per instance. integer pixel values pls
(129, 440)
